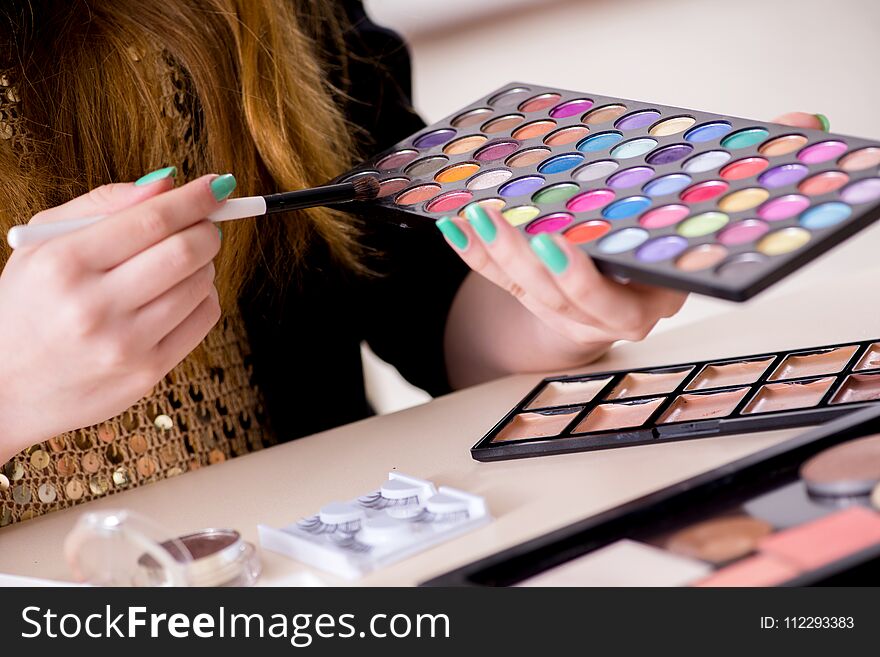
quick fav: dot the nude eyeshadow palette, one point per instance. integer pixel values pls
(803, 512)
(700, 399)
(680, 198)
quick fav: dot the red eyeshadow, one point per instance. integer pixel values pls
(825, 540)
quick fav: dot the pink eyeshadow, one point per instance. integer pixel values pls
(755, 571)
(825, 540)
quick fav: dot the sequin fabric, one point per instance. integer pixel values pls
(207, 410)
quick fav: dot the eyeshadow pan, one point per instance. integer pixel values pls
(587, 231)
(535, 425)
(663, 216)
(703, 406)
(823, 183)
(858, 388)
(871, 359)
(861, 191)
(784, 241)
(571, 107)
(719, 540)
(591, 200)
(863, 158)
(457, 172)
(539, 102)
(706, 161)
(566, 135)
(814, 363)
(623, 563)
(417, 194)
(788, 396)
(565, 393)
(496, 150)
(509, 97)
(533, 129)
(595, 170)
(491, 178)
(722, 375)
(520, 186)
(747, 230)
(471, 117)
(637, 119)
(701, 256)
(397, 160)
(550, 223)
(520, 214)
(488, 203)
(671, 126)
(620, 415)
(392, 186)
(434, 138)
(527, 157)
(464, 144)
(825, 540)
(846, 470)
(640, 384)
(782, 145)
(502, 123)
(603, 114)
(450, 201)
(743, 199)
(426, 165)
(760, 570)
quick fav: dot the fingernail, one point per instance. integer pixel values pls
(824, 122)
(549, 253)
(156, 176)
(222, 186)
(220, 230)
(482, 223)
(453, 233)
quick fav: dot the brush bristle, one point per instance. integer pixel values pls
(365, 188)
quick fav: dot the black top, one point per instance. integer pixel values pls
(306, 349)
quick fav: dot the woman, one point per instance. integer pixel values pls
(115, 371)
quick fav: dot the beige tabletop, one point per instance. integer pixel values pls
(528, 497)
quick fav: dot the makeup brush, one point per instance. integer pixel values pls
(362, 189)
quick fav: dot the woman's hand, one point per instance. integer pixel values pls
(559, 286)
(92, 320)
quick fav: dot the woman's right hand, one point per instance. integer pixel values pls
(91, 321)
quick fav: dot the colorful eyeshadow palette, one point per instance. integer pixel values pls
(693, 400)
(686, 199)
(804, 512)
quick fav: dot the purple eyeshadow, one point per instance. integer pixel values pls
(661, 248)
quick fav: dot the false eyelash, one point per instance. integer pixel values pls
(428, 517)
(377, 501)
(313, 525)
(349, 542)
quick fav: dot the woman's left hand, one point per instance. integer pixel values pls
(559, 284)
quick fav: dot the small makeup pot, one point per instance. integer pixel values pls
(121, 548)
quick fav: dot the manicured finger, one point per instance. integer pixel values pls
(461, 236)
(510, 251)
(110, 198)
(153, 272)
(624, 309)
(188, 335)
(804, 120)
(161, 316)
(131, 231)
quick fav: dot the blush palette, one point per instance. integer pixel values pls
(803, 512)
(663, 195)
(692, 400)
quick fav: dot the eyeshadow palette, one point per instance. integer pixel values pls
(692, 400)
(803, 512)
(663, 195)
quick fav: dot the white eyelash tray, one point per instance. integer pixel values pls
(403, 517)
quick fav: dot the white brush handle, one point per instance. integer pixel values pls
(29, 235)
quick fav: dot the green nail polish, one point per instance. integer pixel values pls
(156, 176)
(220, 230)
(453, 233)
(481, 222)
(823, 120)
(549, 253)
(223, 186)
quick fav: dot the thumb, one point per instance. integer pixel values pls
(803, 120)
(110, 198)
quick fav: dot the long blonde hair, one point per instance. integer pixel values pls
(105, 90)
